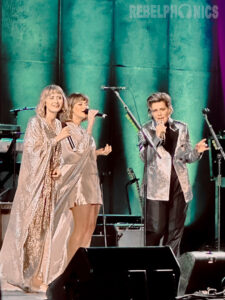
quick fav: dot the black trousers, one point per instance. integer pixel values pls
(166, 219)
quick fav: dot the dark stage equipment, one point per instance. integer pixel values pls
(217, 173)
(98, 238)
(118, 274)
(9, 168)
(121, 230)
(201, 270)
(120, 219)
(121, 235)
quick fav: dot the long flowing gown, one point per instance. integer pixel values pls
(27, 245)
(79, 185)
(41, 221)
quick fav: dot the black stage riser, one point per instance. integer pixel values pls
(145, 273)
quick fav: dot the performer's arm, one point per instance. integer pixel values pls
(190, 154)
(104, 151)
(143, 144)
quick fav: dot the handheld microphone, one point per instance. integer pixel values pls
(163, 133)
(113, 88)
(205, 111)
(163, 136)
(69, 138)
(101, 115)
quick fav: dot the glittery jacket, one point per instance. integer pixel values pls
(159, 169)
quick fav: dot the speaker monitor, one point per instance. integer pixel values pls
(200, 270)
(118, 273)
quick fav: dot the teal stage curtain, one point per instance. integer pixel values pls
(28, 53)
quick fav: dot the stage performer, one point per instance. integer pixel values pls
(80, 192)
(168, 186)
(25, 258)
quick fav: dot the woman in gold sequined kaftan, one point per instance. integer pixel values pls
(27, 246)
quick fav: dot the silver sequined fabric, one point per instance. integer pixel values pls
(159, 169)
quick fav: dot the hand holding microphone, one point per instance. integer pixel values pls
(98, 114)
(91, 114)
(161, 130)
(65, 133)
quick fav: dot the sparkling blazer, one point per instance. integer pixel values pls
(159, 169)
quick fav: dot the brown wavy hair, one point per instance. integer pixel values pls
(72, 100)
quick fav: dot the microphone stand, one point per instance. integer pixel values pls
(149, 142)
(16, 110)
(218, 181)
(102, 175)
(138, 126)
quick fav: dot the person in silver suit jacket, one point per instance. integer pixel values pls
(168, 189)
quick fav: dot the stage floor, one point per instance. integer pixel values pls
(18, 295)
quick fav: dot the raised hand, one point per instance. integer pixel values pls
(104, 151)
(91, 115)
(160, 130)
(202, 146)
(91, 119)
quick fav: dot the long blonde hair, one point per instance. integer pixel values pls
(41, 107)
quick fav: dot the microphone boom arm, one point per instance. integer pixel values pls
(135, 122)
(218, 145)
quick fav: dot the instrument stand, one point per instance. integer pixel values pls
(218, 204)
(103, 207)
(218, 180)
(127, 195)
(149, 143)
(145, 195)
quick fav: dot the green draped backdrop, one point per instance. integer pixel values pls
(83, 45)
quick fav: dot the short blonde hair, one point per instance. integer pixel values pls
(158, 97)
(41, 107)
(72, 100)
